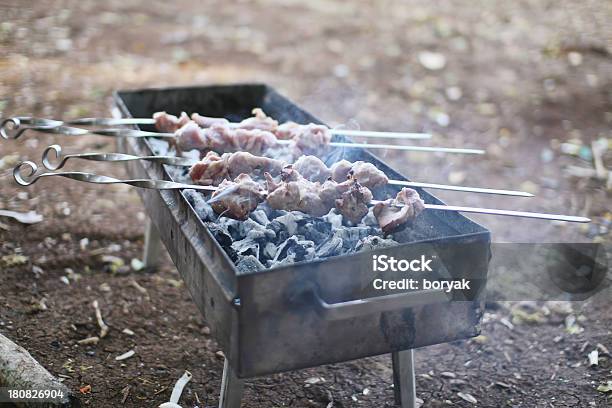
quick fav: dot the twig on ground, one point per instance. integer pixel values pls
(89, 340)
(139, 288)
(125, 392)
(103, 326)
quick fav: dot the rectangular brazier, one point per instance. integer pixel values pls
(308, 313)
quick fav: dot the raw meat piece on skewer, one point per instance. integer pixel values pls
(164, 122)
(260, 121)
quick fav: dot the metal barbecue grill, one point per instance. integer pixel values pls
(308, 313)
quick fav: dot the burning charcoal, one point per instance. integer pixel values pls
(231, 253)
(331, 247)
(303, 251)
(253, 230)
(274, 213)
(350, 235)
(290, 221)
(269, 251)
(246, 247)
(260, 217)
(234, 227)
(198, 202)
(261, 234)
(280, 230)
(374, 242)
(249, 264)
(334, 219)
(295, 250)
(316, 230)
(221, 234)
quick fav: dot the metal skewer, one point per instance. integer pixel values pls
(494, 211)
(345, 132)
(111, 121)
(60, 160)
(30, 178)
(399, 147)
(73, 131)
(170, 185)
(382, 135)
(461, 188)
(12, 128)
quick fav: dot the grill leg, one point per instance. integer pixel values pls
(231, 388)
(152, 245)
(404, 385)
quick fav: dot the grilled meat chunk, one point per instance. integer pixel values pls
(312, 168)
(365, 173)
(340, 170)
(353, 203)
(368, 175)
(164, 122)
(394, 214)
(295, 193)
(298, 194)
(271, 184)
(259, 121)
(332, 191)
(236, 199)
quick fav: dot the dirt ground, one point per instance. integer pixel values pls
(517, 78)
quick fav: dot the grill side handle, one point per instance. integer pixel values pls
(360, 307)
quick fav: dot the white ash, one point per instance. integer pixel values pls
(260, 217)
(246, 247)
(330, 247)
(249, 263)
(271, 237)
(294, 250)
(374, 242)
